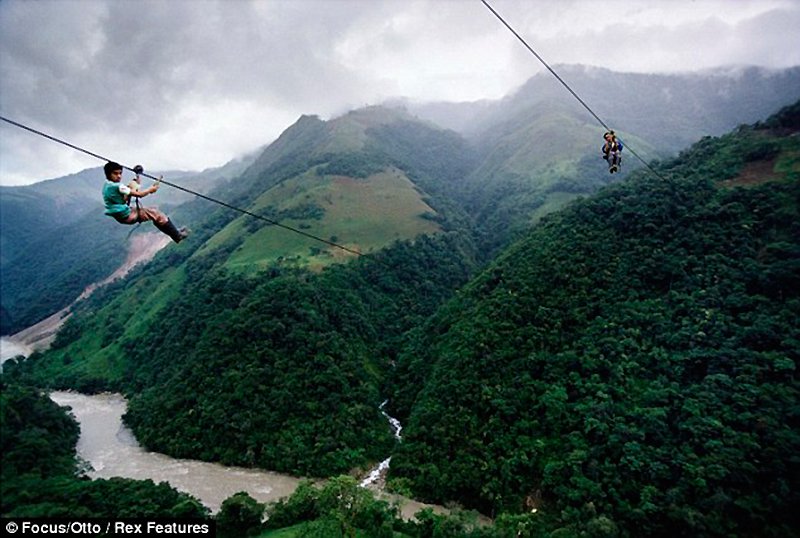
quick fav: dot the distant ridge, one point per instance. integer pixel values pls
(709, 102)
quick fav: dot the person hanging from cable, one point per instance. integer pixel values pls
(612, 151)
(117, 196)
(134, 185)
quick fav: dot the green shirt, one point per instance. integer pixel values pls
(114, 197)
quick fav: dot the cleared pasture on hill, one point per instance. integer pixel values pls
(361, 214)
(89, 352)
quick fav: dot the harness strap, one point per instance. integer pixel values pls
(138, 213)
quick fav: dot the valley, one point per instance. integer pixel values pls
(567, 352)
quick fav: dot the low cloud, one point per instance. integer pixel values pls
(183, 84)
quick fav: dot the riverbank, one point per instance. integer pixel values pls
(111, 450)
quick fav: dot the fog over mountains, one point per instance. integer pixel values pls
(537, 141)
(573, 353)
(670, 111)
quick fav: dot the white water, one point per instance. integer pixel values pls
(383, 466)
(111, 450)
(10, 349)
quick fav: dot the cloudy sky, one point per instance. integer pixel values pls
(176, 84)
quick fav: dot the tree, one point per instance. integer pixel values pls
(240, 515)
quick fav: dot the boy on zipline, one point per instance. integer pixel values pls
(116, 197)
(611, 151)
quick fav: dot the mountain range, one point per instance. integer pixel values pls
(602, 354)
(520, 158)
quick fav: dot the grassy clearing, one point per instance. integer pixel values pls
(554, 202)
(360, 214)
(125, 319)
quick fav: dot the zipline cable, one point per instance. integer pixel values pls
(561, 80)
(184, 189)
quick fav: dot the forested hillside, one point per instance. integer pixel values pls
(628, 368)
(666, 113)
(536, 163)
(538, 149)
(74, 255)
(291, 349)
(21, 210)
(521, 157)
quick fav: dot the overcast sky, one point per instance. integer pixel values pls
(192, 84)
